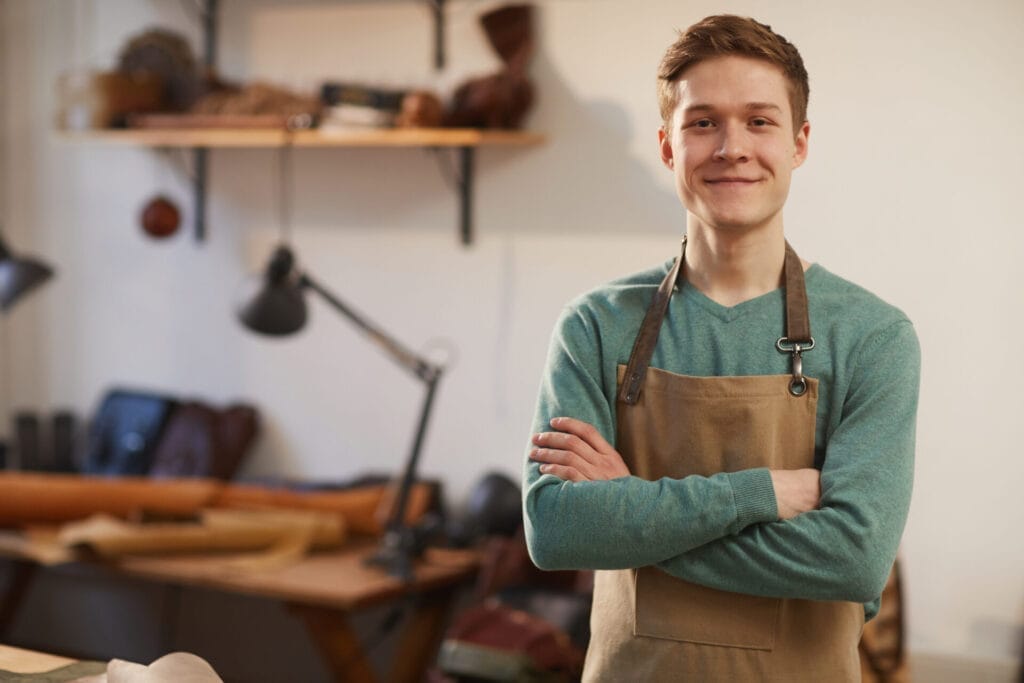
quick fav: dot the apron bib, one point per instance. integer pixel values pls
(649, 626)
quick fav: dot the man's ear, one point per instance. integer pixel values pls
(800, 155)
(665, 146)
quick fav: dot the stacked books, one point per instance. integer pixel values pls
(349, 105)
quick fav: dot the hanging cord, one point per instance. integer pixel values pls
(449, 173)
(196, 10)
(285, 183)
(178, 157)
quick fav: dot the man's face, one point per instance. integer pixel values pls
(731, 144)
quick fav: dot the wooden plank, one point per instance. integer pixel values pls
(276, 137)
(193, 137)
(29, 661)
(338, 579)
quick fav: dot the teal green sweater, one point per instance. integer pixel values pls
(723, 531)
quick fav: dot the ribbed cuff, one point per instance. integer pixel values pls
(754, 497)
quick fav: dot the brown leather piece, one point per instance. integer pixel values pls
(29, 499)
(201, 441)
(798, 321)
(647, 339)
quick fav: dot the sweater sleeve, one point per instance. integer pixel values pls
(845, 549)
(626, 522)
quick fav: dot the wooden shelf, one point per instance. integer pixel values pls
(464, 141)
(276, 137)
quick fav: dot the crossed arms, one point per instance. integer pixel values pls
(754, 531)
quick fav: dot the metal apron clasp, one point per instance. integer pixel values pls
(797, 385)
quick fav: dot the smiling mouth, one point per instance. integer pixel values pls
(732, 181)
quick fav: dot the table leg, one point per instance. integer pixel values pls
(338, 643)
(416, 650)
(421, 637)
(23, 573)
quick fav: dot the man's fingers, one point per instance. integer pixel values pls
(557, 457)
(563, 472)
(565, 442)
(584, 430)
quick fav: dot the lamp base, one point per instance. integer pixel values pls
(396, 552)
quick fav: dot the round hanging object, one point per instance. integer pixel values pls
(160, 218)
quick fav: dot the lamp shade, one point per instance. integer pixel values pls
(277, 307)
(18, 276)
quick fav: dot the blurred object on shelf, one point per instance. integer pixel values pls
(226, 121)
(351, 105)
(500, 100)
(258, 99)
(342, 116)
(166, 55)
(420, 109)
(160, 217)
(93, 99)
(332, 93)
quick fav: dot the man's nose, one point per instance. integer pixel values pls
(733, 144)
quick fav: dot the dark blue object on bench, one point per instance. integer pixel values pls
(125, 433)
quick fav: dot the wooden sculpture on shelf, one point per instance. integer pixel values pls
(500, 100)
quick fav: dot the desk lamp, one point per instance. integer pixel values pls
(279, 308)
(18, 276)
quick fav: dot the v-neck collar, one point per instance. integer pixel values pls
(731, 313)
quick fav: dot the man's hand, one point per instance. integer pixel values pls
(796, 491)
(577, 452)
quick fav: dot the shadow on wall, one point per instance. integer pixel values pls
(584, 180)
(587, 178)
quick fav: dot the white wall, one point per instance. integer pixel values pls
(912, 189)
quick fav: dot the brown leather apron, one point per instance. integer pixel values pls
(649, 626)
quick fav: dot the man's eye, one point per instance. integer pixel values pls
(703, 123)
(760, 122)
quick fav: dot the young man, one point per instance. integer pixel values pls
(748, 514)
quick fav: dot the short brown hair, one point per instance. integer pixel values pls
(727, 34)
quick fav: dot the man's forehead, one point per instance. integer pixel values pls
(733, 81)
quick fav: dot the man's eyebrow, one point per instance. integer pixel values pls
(758, 106)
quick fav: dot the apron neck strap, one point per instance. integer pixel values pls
(798, 322)
(643, 347)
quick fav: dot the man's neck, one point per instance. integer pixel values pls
(733, 266)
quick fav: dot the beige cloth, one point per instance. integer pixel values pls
(177, 667)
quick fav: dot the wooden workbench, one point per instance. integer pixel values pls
(324, 589)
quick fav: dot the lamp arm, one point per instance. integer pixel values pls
(399, 546)
(427, 372)
(397, 519)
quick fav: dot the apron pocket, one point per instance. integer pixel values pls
(673, 609)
